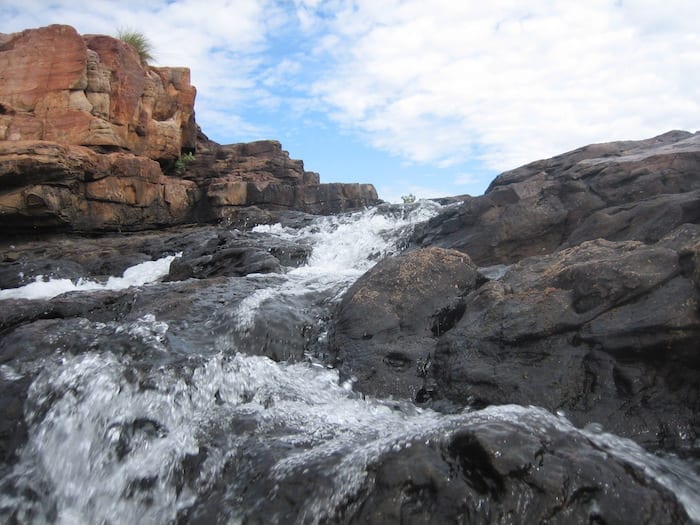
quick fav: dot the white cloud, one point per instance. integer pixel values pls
(432, 81)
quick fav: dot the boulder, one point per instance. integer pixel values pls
(223, 256)
(389, 320)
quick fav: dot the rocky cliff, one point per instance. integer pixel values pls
(92, 90)
(91, 139)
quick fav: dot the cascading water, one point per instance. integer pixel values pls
(138, 275)
(137, 433)
(344, 248)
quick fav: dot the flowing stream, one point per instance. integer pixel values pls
(139, 437)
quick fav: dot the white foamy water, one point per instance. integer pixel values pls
(353, 243)
(98, 435)
(670, 472)
(138, 275)
(106, 450)
(344, 247)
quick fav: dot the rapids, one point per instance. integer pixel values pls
(213, 434)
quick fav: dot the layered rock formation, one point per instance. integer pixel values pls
(58, 86)
(587, 302)
(51, 186)
(262, 174)
(91, 139)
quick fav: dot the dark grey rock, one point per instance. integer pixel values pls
(521, 466)
(607, 332)
(389, 320)
(633, 190)
(16, 274)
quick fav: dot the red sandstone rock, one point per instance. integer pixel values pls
(262, 174)
(83, 122)
(46, 184)
(92, 91)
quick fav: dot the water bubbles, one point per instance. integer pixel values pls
(150, 331)
(594, 428)
(7, 373)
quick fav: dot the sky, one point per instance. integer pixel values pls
(423, 97)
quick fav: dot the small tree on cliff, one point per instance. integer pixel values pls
(139, 42)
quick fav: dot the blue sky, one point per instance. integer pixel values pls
(430, 97)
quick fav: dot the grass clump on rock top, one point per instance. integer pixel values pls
(139, 42)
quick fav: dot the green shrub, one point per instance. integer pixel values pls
(408, 199)
(139, 42)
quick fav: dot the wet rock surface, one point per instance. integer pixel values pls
(197, 310)
(161, 399)
(392, 316)
(526, 467)
(607, 332)
(235, 254)
(16, 274)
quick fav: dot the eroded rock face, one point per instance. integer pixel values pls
(47, 185)
(82, 124)
(61, 93)
(633, 190)
(262, 174)
(58, 86)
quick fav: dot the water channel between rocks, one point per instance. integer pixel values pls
(157, 421)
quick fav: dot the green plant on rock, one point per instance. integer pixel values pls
(139, 42)
(408, 199)
(182, 162)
